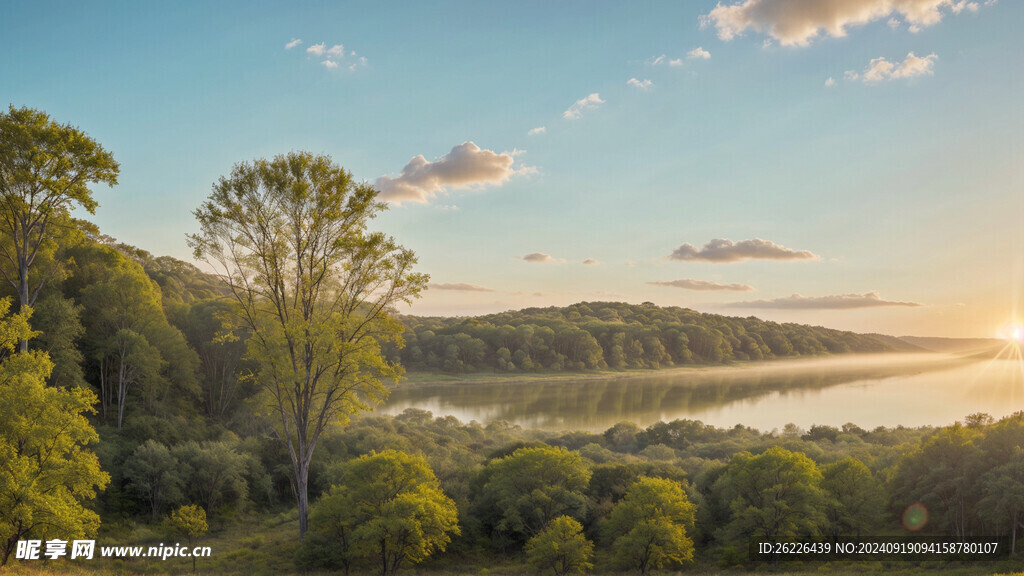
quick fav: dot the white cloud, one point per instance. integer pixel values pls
(833, 302)
(703, 285)
(894, 23)
(958, 7)
(330, 64)
(357, 62)
(641, 84)
(294, 42)
(537, 130)
(316, 49)
(698, 53)
(725, 250)
(458, 286)
(830, 82)
(337, 50)
(657, 60)
(675, 63)
(591, 102)
(799, 22)
(465, 166)
(880, 69)
(540, 257)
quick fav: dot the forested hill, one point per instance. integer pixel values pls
(597, 335)
(584, 336)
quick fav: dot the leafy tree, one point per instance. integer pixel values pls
(943, 475)
(561, 547)
(213, 473)
(189, 521)
(59, 321)
(314, 288)
(45, 171)
(775, 496)
(46, 473)
(154, 473)
(650, 524)
(1003, 489)
(390, 507)
(856, 500)
(526, 490)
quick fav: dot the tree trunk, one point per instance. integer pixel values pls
(23, 297)
(302, 492)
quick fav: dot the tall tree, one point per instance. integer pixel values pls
(45, 171)
(650, 525)
(46, 472)
(314, 288)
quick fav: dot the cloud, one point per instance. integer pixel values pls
(641, 84)
(465, 166)
(703, 285)
(537, 130)
(591, 102)
(880, 69)
(725, 250)
(830, 82)
(458, 286)
(537, 257)
(294, 42)
(835, 302)
(316, 49)
(330, 64)
(357, 62)
(698, 53)
(337, 50)
(675, 63)
(657, 60)
(591, 262)
(799, 22)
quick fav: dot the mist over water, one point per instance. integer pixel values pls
(867, 390)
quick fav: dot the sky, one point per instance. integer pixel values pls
(854, 164)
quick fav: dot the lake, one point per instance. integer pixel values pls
(872, 390)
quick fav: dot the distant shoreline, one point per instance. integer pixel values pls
(738, 368)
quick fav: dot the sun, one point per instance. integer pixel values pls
(1013, 333)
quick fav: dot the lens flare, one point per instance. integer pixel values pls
(915, 517)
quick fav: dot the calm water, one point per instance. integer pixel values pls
(870, 391)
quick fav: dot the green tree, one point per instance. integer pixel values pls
(650, 525)
(775, 496)
(154, 474)
(46, 473)
(46, 169)
(213, 473)
(390, 507)
(561, 547)
(529, 488)
(189, 521)
(314, 288)
(856, 500)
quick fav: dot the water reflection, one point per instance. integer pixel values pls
(911, 390)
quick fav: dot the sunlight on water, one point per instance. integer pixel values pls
(885, 390)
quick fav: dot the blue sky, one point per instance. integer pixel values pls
(900, 175)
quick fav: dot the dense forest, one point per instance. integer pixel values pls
(144, 401)
(615, 335)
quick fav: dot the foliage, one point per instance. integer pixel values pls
(775, 496)
(313, 286)
(649, 525)
(561, 547)
(46, 474)
(524, 491)
(45, 171)
(390, 507)
(600, 335)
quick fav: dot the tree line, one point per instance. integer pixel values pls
(614, 335)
